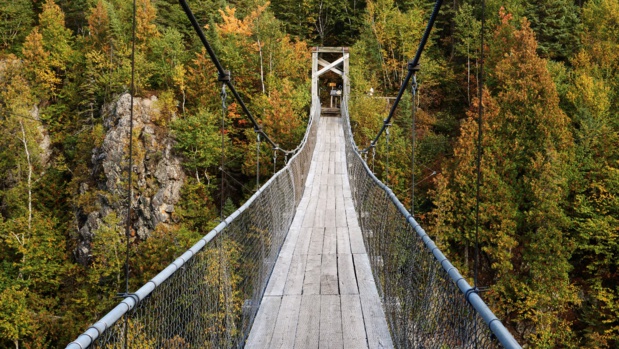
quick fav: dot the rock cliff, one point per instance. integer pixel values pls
(157, 173)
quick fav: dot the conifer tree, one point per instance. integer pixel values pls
(523, 232)
(556, 24)
(593, 99)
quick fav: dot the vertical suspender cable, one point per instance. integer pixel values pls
(223, 148)
(479, 152)
(387, 164)
(257, 159)
(413, 66)
(413, 134)
(224, 75)
(479, 142)
(129, 171)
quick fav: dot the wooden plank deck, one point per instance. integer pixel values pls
(322, 293)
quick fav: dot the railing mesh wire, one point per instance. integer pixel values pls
(208, 298)
(424, 306)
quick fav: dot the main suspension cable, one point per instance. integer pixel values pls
(222, 72)
(413, 67)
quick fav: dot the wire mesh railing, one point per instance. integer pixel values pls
(209, 296)
(427, 302)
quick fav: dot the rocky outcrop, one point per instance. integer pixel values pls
(157, 173)
(43, 139)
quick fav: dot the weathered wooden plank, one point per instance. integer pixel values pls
(338, 180)
(329, 245)
(303, 241)
(325, 164)
(328, 275)
(343, 241)
(284, 332)
(351, 216)
(264, 325)
(339, 197)
(346, 274)
(296, 275)
(278, 278)
(311, 282)
(332, 161)
(339, 166)
(323, 193)
(340, 218)
(308, 327)
(365, 280)
(323, 256)
(353, 327)
(376, 327)
(310, 216)
(330, 322)
(316, 241)
(276, 283)
(331, 179)
(331, 198)
(329, 218)
(319, 217)
(356, 240)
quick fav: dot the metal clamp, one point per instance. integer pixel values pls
(413, 67)
(224, 77)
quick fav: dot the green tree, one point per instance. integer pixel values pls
(556, 25)
(524, 226)
(467, 35)
(57, 39)
(16, 18)
(197, 139)
(592, 99)
(16, 322)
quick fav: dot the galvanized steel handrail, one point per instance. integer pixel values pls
(85, 339)
(470, 293)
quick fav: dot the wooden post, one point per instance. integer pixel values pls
(314, 71)
(333, 67)
(346, 82)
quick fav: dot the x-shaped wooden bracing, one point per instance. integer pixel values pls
(330, 66)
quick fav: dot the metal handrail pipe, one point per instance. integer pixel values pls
(496, 326)
(85, 339)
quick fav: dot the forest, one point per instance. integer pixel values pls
(549, 195)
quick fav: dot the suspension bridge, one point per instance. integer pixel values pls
(323, 255)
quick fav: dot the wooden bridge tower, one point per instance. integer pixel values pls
(338, 66)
